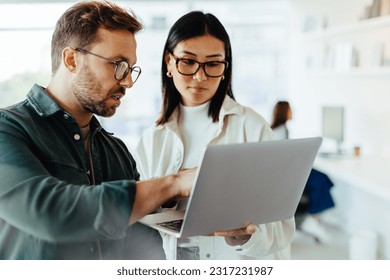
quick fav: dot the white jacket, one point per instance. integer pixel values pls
(160, 152)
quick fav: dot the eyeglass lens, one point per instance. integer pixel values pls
(122, 70)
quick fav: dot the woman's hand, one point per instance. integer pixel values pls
(238, 236)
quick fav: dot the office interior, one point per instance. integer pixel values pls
(313, 53)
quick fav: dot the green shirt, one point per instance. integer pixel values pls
(49, 208)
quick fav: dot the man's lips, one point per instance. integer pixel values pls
(117, 96)
(118, 93)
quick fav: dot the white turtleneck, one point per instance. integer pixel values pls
(197, 130)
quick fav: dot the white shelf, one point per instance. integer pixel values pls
(364, 25)
(382, 72)
(343, 54)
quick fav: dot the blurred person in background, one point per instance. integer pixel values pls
(317, 189)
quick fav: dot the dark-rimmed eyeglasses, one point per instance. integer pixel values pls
(122, 67)
(189, 67)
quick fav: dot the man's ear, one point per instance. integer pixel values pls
(69, 59)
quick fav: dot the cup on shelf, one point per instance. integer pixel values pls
(356, 151)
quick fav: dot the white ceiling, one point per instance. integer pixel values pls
(63, 1)
(34, 1)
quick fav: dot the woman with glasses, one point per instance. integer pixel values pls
(199, 109)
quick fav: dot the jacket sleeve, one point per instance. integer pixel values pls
(47, 208)
(271, 238)
(142, 155)
(158, 153)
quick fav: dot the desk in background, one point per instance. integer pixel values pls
(361, 194)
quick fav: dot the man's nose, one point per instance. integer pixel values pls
(127, 82)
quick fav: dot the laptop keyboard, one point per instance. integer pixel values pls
(173, 225)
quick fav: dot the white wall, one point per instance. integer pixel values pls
(365, 96)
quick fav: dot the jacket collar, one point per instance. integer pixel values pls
(230, 107)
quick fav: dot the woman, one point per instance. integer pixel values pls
(317, 189)
(198, 110)
(281, 115)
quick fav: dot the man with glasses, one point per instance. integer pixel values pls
(69, 189)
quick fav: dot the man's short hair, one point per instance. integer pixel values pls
(79, 25)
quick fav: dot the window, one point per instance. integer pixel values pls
(258, 31)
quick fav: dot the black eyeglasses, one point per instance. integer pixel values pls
(122, 68)
(189, 67)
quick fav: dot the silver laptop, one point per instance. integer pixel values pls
(236, 184)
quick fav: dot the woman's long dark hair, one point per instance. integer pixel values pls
(192, 25)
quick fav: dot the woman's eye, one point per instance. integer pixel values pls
(213, 64)
(188, 61)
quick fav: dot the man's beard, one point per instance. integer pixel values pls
(87, 89)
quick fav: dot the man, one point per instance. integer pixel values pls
(69, 189)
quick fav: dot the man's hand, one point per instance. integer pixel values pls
(150, 194)
(237, 236)
(184, 180)
(183, 183)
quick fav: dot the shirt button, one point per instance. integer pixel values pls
(76, 137)
(208, 256)
(66, 116)
(92, 250)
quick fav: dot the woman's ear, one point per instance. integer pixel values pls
(167, 59)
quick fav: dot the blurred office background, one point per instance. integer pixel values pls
(313, 53)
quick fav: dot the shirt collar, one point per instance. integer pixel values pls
(43, 104)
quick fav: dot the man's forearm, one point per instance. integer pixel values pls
(150, 194)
